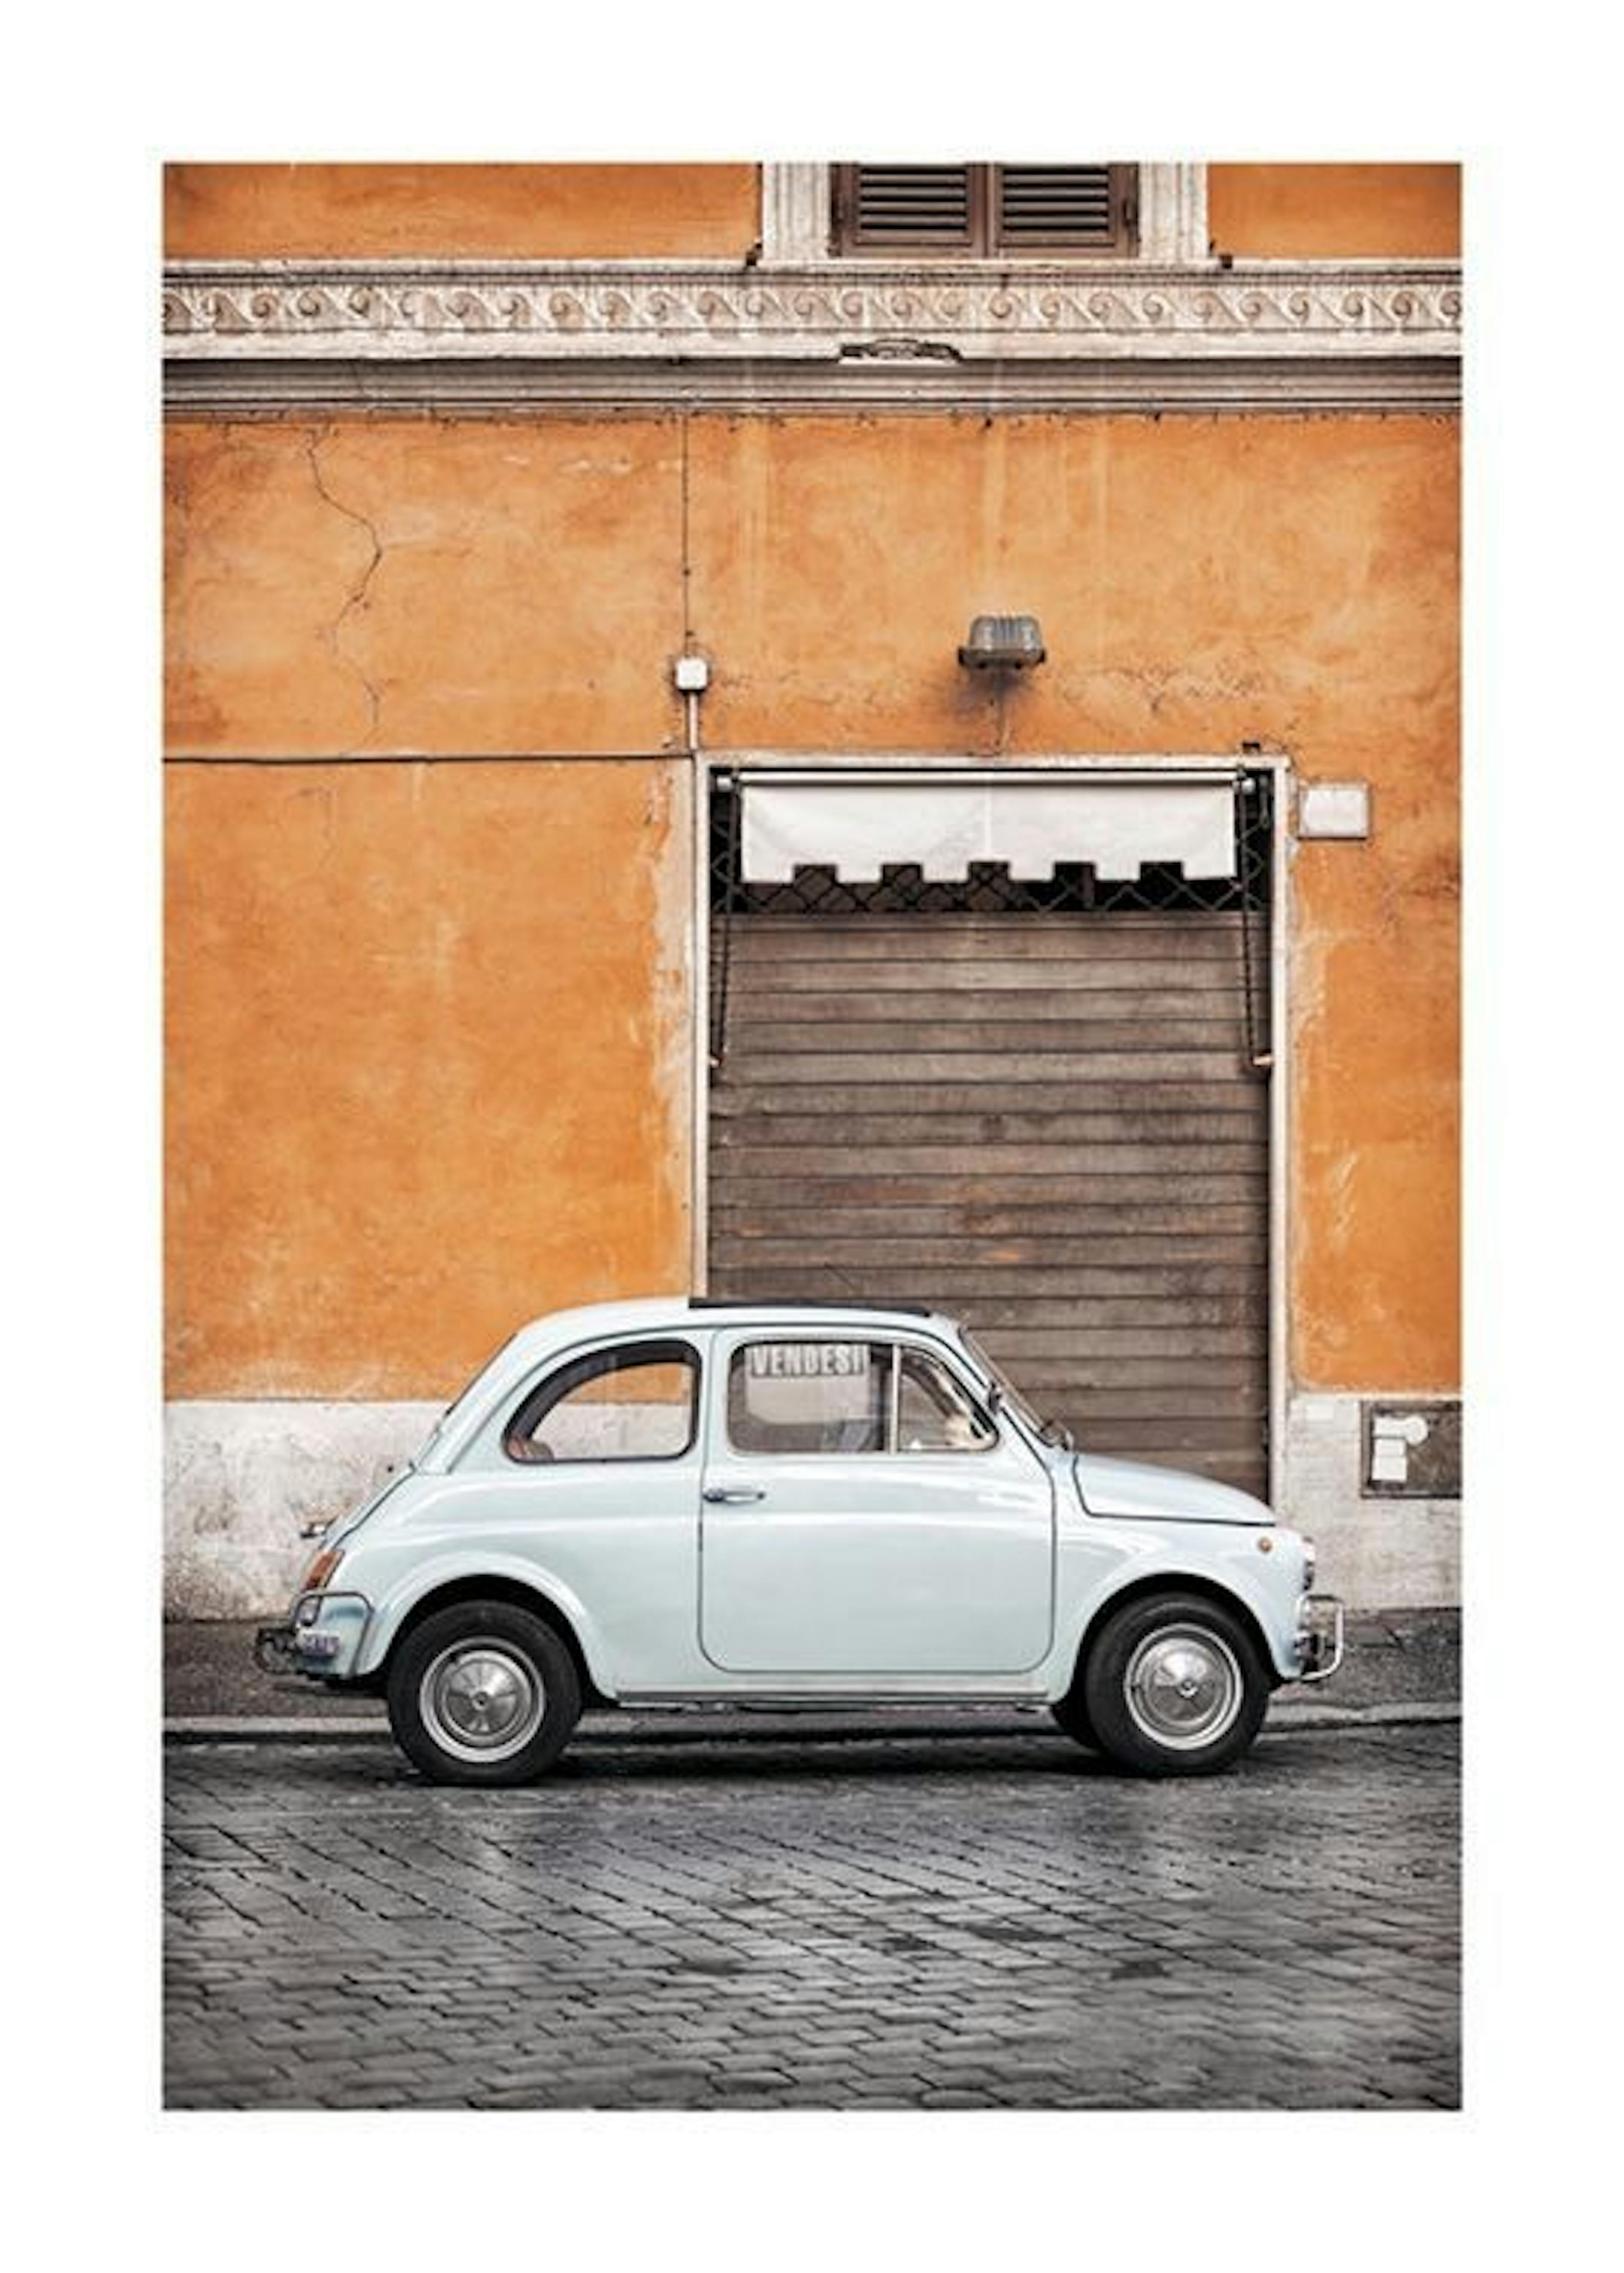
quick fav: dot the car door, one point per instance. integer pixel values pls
(862, 1513)
(589, 1474)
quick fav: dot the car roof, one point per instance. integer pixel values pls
(672, 1312)
(544, 1337)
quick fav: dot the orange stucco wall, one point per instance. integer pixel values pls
(465, 212)
(396, 586)
(1199, 583)
(249, 212)
(1334, 213)
(424, 1065)
(501, 587)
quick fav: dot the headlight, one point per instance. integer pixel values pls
(1310, 1566)
(321, 1569)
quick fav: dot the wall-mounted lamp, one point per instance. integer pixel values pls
(1003, 643)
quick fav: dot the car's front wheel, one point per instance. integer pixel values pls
(1072, 1714)
(482, 1693)
(1175, 1686)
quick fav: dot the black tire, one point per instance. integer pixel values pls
(482, 1693)
(1073, 1715)
(1175, 1686)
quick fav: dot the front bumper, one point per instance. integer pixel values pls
(321, 1637)
(1319, 1636)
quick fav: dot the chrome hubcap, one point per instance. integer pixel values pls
(1184, 1687)
(482, 1700)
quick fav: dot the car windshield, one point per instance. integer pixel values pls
(1051, 1432)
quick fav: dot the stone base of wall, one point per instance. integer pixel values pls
(1374, 1553)
(240, 1478)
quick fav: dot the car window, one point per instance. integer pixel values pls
(933, 1414)
(809, 1397)
(638, 1401)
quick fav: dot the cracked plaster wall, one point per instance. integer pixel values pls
(428, 1049)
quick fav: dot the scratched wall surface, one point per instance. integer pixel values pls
(465, 212)
(427, 1024)
(424, 1065)
(1334, 213)
(249, 212)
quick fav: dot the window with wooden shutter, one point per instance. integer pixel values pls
(980, 211)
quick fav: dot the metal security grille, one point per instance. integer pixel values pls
(1036, 1106)
(1073, 890)
(981, 209)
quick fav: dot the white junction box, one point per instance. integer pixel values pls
(1334, 809)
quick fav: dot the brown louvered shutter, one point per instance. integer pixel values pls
(909, 206)
(1069, 206)
(984, 209)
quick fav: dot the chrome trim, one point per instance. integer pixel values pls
(1315, 1613)
(1183, 1688)
(308, 1644)
(482, 1700)
(845, 1700)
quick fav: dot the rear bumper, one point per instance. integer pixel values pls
(1319, 1636)
(321, 1639)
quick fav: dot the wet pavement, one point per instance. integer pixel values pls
(866, 1917)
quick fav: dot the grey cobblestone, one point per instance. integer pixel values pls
(939, 1923)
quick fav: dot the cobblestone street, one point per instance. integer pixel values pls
(677, 1920)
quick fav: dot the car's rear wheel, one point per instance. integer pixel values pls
(1175, 1686)
(482, 1693)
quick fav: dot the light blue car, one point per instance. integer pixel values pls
(675, 1502)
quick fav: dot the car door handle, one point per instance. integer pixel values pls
(730, 1495)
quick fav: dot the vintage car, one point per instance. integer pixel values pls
(666, 1502)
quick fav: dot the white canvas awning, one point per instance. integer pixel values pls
(1028, 823)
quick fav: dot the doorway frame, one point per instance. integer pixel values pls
(707, 763)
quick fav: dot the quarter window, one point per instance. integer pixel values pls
(933, 1414)
(639, 1402)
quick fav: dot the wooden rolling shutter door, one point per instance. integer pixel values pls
(1044, 1124)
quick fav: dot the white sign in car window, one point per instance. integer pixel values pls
(801, 1384)
(805, 1360)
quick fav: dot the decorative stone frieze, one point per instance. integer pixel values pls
(412, 310)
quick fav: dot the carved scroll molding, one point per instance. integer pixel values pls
(1276, 312)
